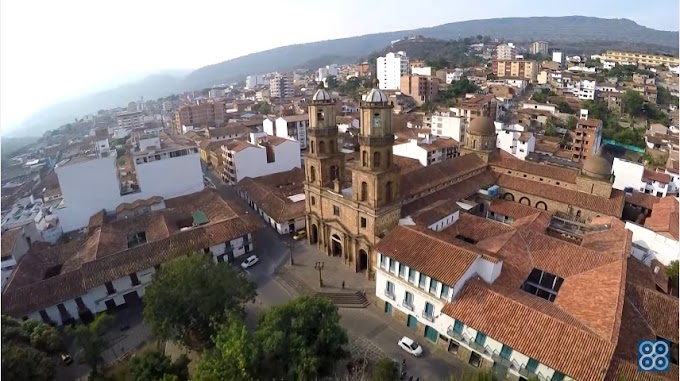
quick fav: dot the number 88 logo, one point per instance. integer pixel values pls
(653, 356)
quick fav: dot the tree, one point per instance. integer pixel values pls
(385, 370)
(664, 97)
(189, 293)
(154, 366)
(301, 339)
(572, 122)
(262, 108)
(24, 363)
(541, 95)
(564, 107)
(234, 357)
(90, 337)
(332, 82)
(632, 102)
(672, 272)
(549, 128)
(460, 88)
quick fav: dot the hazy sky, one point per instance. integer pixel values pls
(54, 50)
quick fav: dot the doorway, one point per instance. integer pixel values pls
(337, 246)
(431, 334)
(291, 228)
(363, 260)
(411, 322)
(314, 235)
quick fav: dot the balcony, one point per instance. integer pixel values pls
(376, 140)
(408, 305)
(390, 294)
(481, 348)
(526, 372)
(428, 315)
(503, 361)
(456, 335)
(328, 131)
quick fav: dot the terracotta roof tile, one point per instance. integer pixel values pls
(439, 259)
(663, 178)
(664, 218)
(644, 200)
(507, 161)
(660, 311)
(138, 203)
(425, 178)
(270, 193)
(9, 240)
(435, 212)
(612, 206)
(512, 209)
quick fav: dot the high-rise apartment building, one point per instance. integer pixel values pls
(390, 70)
(506, 51)
(281, 86)
(253, 81)
(420, 88)
(204, 114)
(130, 120)
(523, 69)
(539, 47)
(641, 58)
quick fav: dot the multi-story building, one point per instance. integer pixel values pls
(586, 138)
(162, 165)
(453, 76)
(656, 239)
(447, 124)
(14, 245)
(130, 120)
(539, 47)
(390, 69)
(260, 155)
(288, 127)
(327, 71)
(420, 88)
(34, 218)
(506, 51)
(515, 140)
(428, 149)
(200, 115)
(640, 58)
(253, 81)
(524, 69)
(517, 298)
(278, 198)
(216, 93)
(115, 262)
(559, 57)
(479, 105)
(633, 175)
(427, 71)
(584, 89)
(281, 86)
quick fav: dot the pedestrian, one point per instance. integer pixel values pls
(343, 284)
(410, 378)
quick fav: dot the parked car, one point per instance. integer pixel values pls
(250, 261)
(411, 346)
(66, 359)
(300, 235)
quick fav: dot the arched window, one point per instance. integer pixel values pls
(334, 172)
(312, 174)
(376, 159)
(388, 192)
(474, 143)
(364, 158)
(331, 147)
(312, 146)
(319, 116)
(322, 147)
(364, 191)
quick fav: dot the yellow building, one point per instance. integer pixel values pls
(524, 69)
(641, 58)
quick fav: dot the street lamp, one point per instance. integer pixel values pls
(319, 266)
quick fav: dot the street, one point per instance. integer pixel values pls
(371, 333)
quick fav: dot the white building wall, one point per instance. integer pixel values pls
(169, 177)
(390, 69)
(411, 150)
(648, 245)
(282, 130)
(451, 126)
(252, 161)
(628, 174)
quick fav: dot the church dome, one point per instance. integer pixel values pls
(482, 125)
(321, 95)
(376, 96)
(597, 166)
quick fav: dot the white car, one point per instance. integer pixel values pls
(410, 346)
(250, 261)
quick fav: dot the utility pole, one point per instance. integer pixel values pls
(291, 245)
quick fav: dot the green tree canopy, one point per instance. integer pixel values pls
(672, 272)
(301, 339)
(541, 95)
(564, 107)
(189, 293)
(460, 88)
(572, 122)
(262, 107)
(332, 82)
(632, 102)
(664, 97)
(90, 337)
(26, 349)
(235, 356)
(385, 370)
(155, 366)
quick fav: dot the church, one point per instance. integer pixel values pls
(348, 219)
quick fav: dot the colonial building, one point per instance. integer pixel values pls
(347, 221)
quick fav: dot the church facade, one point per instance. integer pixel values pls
(346, 220)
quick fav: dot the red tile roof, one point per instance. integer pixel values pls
(663, 178)
(664, 218)
(9, 241)
(505, 160)
(270, 193)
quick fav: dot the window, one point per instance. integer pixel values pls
(313, 200)
(542, 284)
(402, 270)
(363, 222)
(388, 192)
(557, 376)
(532, 365)
(364, 191)
(376, 159)
(110, 290)
(445, 292)
(322, 147)
(433, 286)
(411, 275)
(134, 279)
(383, 261)
(312, 173)
(480, 338)
(458, 326)
(336, 210)
(421, 281)
(506, 352)
(136, 239)
(393, 265)
(408, 300)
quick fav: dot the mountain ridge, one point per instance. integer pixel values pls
(556, 30)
